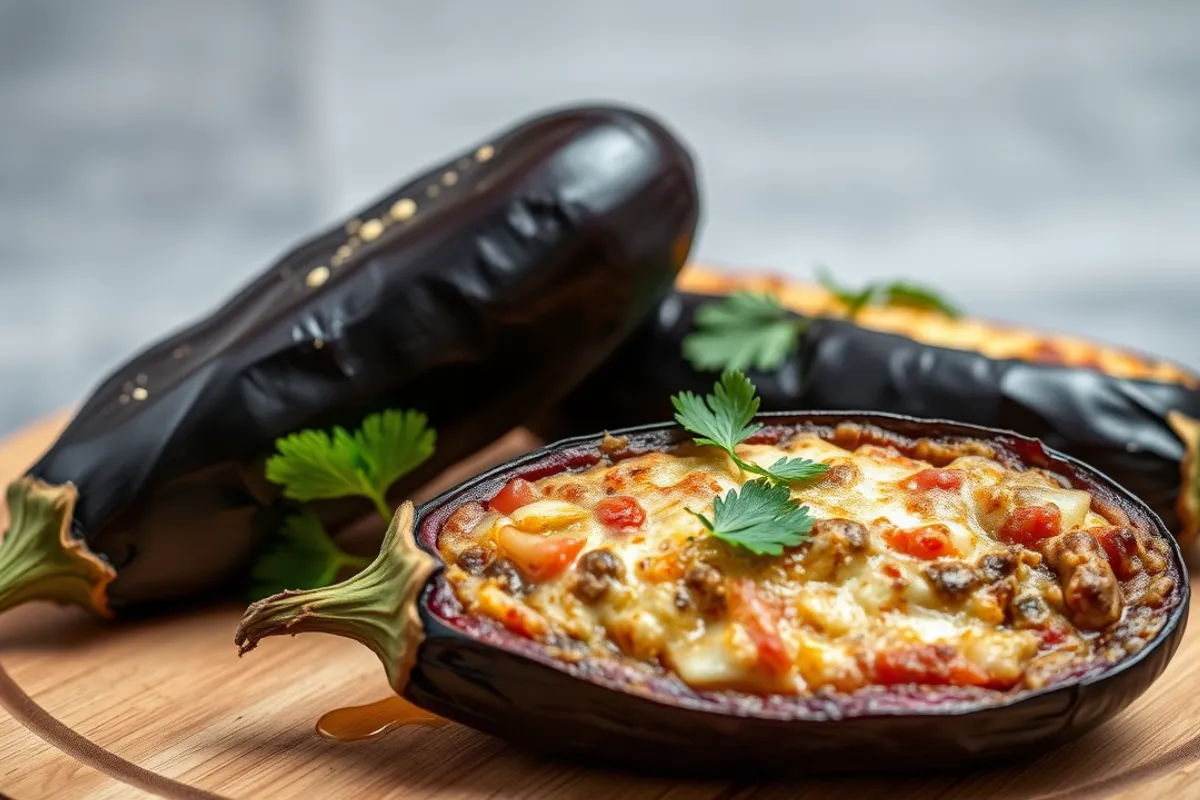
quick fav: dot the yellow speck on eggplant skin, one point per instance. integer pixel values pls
(403, 210)
(485, 153)
(371, 230)
(140, 393)
(317, 277)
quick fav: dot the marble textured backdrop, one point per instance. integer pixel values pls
(1040, 162)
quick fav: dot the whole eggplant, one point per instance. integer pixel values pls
(477, 293)
(470, 669)
(1142, 433)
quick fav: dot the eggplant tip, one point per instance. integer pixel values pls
(40, 557)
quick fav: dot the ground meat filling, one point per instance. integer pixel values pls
(954, 568)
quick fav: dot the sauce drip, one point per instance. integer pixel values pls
(363, 723)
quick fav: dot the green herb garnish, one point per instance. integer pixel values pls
(304, 557)
(312, 465)
(761, 517)
(854, 301)
(745, 330)
(895, 293)
(315, 465)
(724, 419)
(915, 296)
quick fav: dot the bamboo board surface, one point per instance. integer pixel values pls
(171, 695)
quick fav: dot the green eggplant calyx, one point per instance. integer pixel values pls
(377, 607)
(1188, 430)
(40, 557)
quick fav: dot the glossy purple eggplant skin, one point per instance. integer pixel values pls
(476, 293)
(475, 673)
(1117, 425)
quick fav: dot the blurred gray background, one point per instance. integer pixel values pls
(1038, 161)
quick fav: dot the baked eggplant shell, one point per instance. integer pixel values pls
(473, 671)
(1145, 434)
(476, 293)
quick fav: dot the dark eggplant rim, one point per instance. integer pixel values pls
(1129, 502)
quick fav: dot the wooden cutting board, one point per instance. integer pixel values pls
(171, 695)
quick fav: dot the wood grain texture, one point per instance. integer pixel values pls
(171, 695)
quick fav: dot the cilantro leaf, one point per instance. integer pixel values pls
(761, 517)
(895, 293)
(744, 330)
(915, 296)
(792, 469)
(724, 419)
(854, 301)
(302, 557)
(314, 465)
(393, 444)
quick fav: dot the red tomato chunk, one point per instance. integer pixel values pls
(926, 542)
(761, 623)
(621, 513)
(947, 480)
(516, 493)
(539, 557)
(929, 664)
(1030, 525)
(1120, 546)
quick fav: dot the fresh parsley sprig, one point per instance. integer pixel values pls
(315, 465)
(745, 330)
(304, 557)
(893, 293)
(724, 419)
(760, 517)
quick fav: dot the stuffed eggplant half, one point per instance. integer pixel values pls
(1135, 418)
(468, 298)
(920, 594)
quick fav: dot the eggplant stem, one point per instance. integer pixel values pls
(41, 558)
(377, 607)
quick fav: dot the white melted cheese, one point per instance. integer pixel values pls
(834, 616)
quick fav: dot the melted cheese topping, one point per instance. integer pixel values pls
(911, 574)
(931, 327)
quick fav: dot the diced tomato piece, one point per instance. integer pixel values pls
(1120, 545)
(539, 557)
(928, 664)
(523, 622)
(516, 493)
(947, 480)
(761, 623)
(621, 513)
(926, 542)
(1054, 632)
(1030, 525)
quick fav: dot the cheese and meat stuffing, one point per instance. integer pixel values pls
(939, 565)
